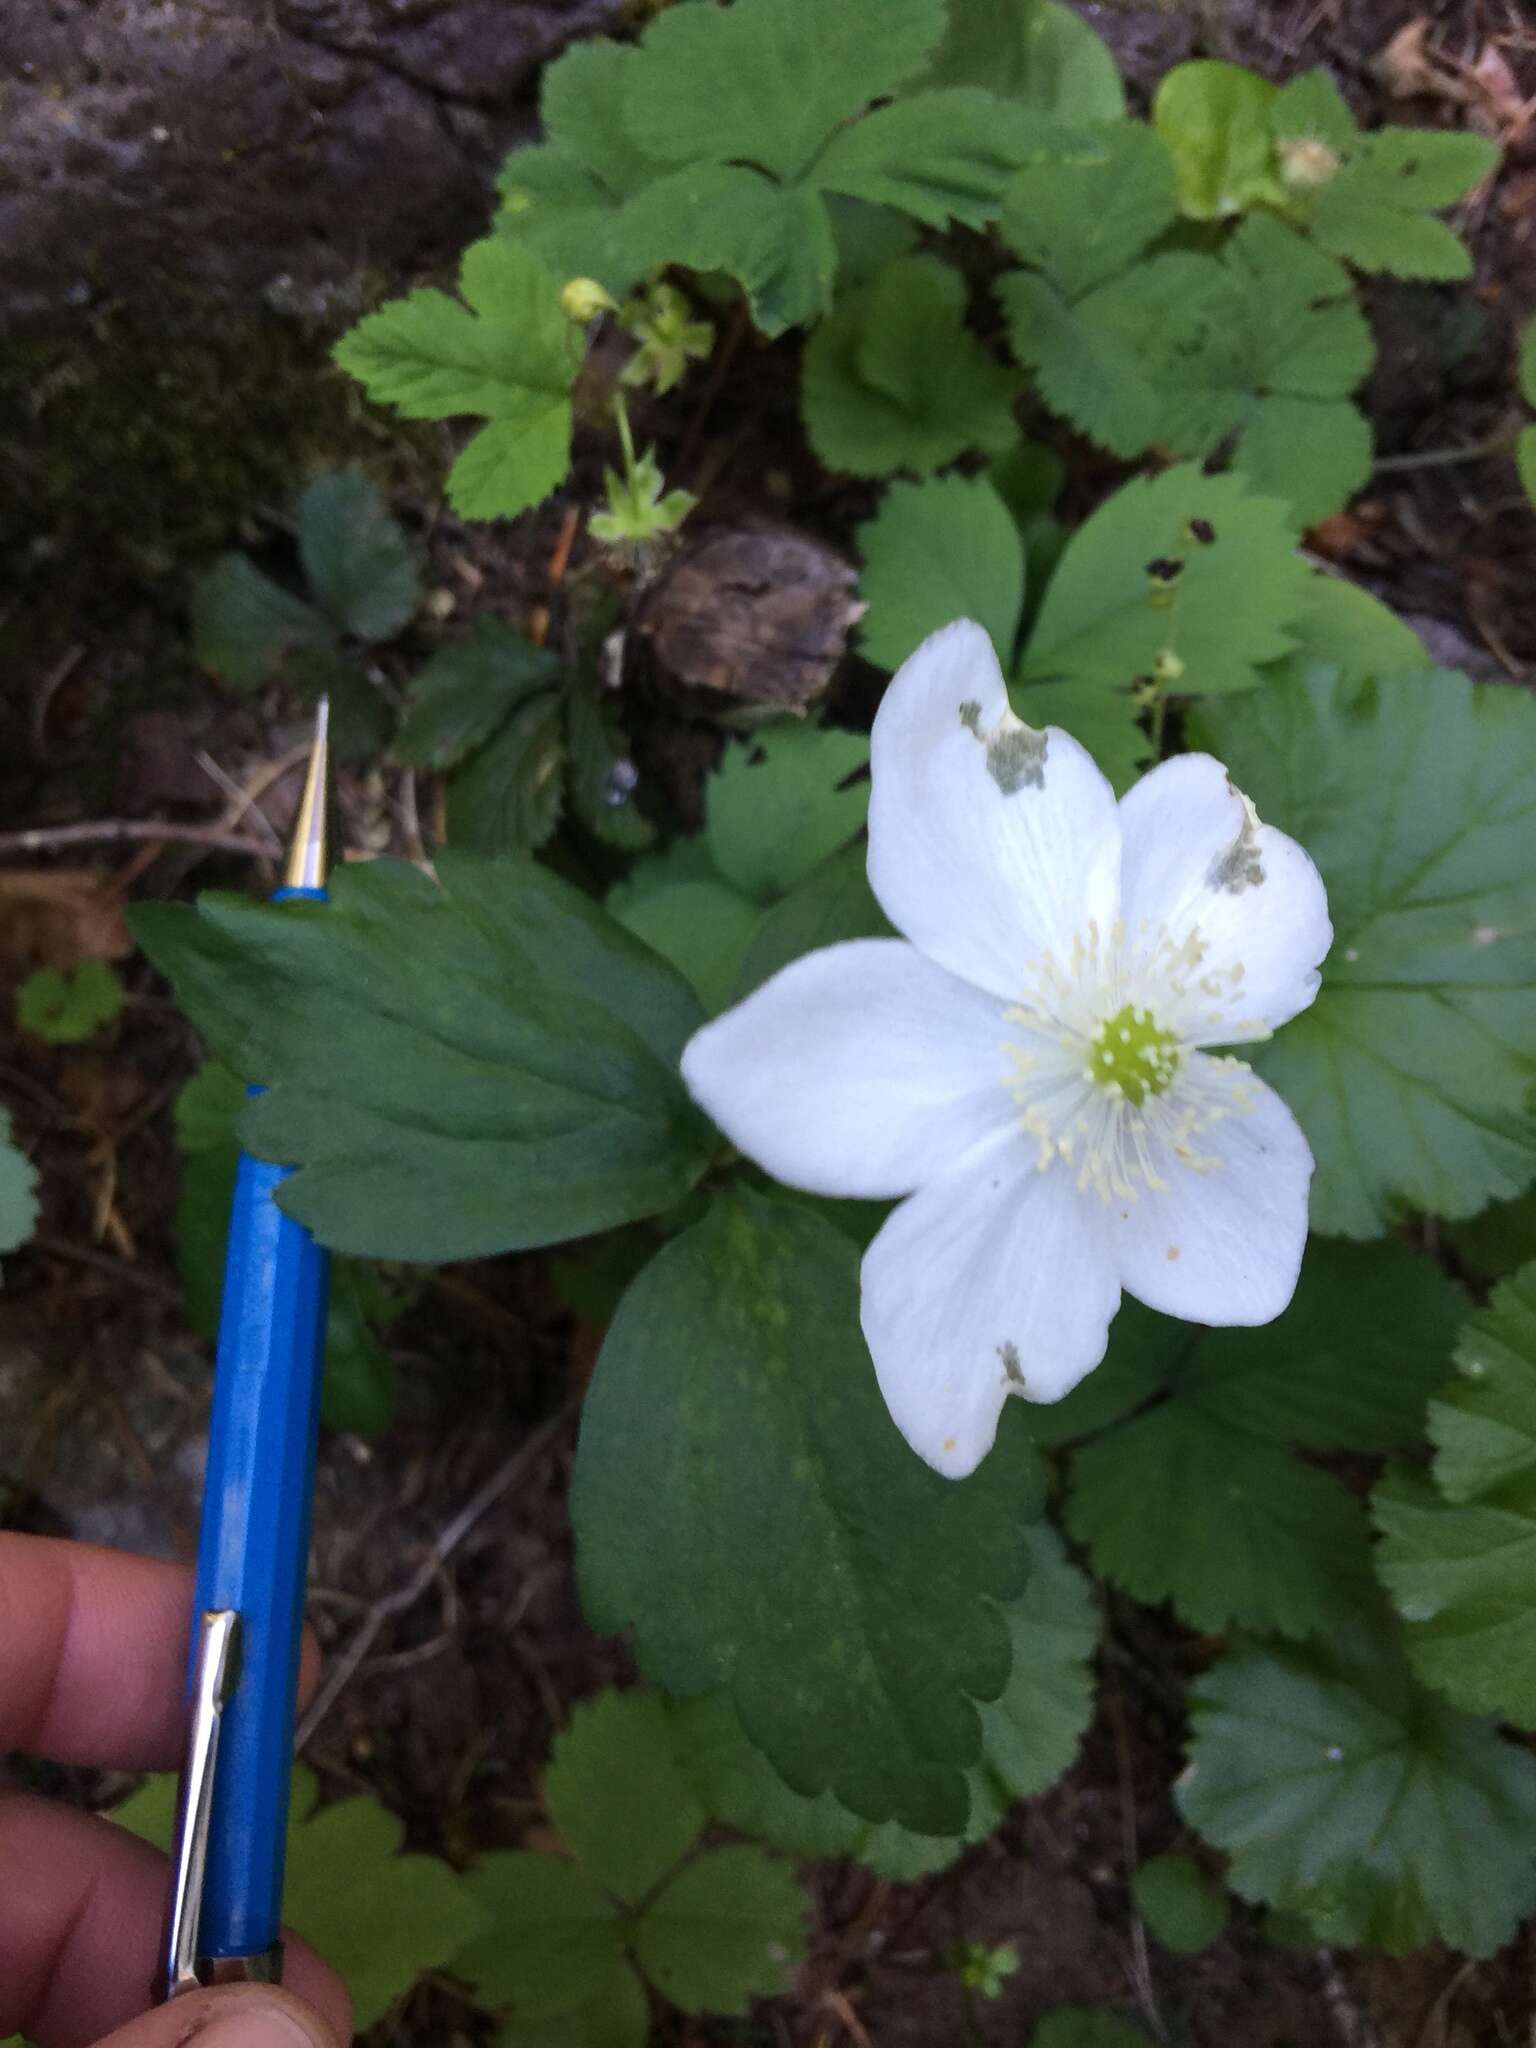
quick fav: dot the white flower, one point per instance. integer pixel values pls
(1023, 1066)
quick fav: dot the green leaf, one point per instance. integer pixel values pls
(243, 623)
(616, 1795)
(729, 1927)
(867, 238)
(1416, 796)
(1525, 461)
(1086, 2026)
(895, 380)
(776, 240)
(1086, 211)
(454, 1070)
(1087, 372)
(553, 1940)
(1031, 51)
(1500, 1238)
(743, 1502)
(766, 82)
(1344, 1792)
(1214, 118)
(602, 781)
(703, 927)
(1355, 632)
(939, 550)
(468, 689)
(378, 1918)
(1140, 583)
(508, 795)
(782, 803)
(358, 562)
(66, 1009)
(1106, 722)
(617, 2016)
(833, 903)
(1374, 211)
(18, 1190)
(1182, 1908)
(939, 156)
(361, 1386)
(360, 716)
(1459, 1555)
(433, 358)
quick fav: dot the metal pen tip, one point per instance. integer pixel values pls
(306, 864)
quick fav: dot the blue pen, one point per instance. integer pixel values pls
(225, 1909)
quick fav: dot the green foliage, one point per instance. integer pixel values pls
(1344, 1792)
(454, 1070)
(1214, 117)
(1498, 1240)
(357, 560)
(834, 1584)
(243, 624)
(895, 380)
(833, 903)
(433, 358)
(711, 1932)
(18, 1190)
(1035, 53)
(1347, 628)
(939, 550)
(1416, 796)
(67, 1008)
(1525, 446)
(361, 1385)
(1459, 1550)
(981, 1969)
(781, 804)
(470, 688)
(378, 1918)
(703, 925)
(1083, 2026)
(1182, 1908)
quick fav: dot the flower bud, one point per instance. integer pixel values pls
(583, 299)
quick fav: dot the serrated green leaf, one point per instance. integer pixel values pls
(552, 1941)
(1085, 2026)
(68, 1008)
(616, 1795)
(18, 1190)
(782, 803)
(703, 927)
(454, 1069)
(243, 623)
(939, 550)
(939, 156)
(616, 2017)
(1459, 1556)
(1139, 582)
(467, 689)
(895, 380)
(775, 240)
(1182, 1908)
(1214, 117)
(1374, 211)
(433, 358)
(1416, 796)
(729, 1927)
(358, 562)
(1087, 372)
(1344, 1792)
(378, 1918)
(1092, 206)
(833, 903)
(1106, 722)
(1033, 52)
(1352, 631)
(507, 797)
(837, 1587)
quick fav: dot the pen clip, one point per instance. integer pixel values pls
(214, 1673)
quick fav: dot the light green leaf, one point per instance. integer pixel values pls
(703, 927)
(783, 802)
(939, 550)
(1090, 208)
(378, 1918)
(467, 689)
(507, 797)
(1085, 2026)
(454, 1069)
(433, 358)
(617, 1797)
(358, 562)
(18, 1190)
(833, 903)
(1343, 1791)
(1031, 51)
(243, 623)
(835, 1584)
(1345, 626)
(552, 1942)
(1181, 565)
(1459, 1556)
(67, 1009)
(1416, 796)
(1085, 370)
(616, 2017)
(895, 380)
(939, 156)
(729, 1927)
(775, 240)
(1182, 1908)
(1214, 118)
(1375, 210)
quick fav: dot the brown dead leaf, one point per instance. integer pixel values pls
(57, 917)
(1409, 69)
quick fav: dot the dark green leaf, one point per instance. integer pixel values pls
(617, 1797)
(1084, 2026)
(1092, 206)
(18, 1190)
(358, 562)
(617, 2016)
(1502, 1237)
(1031, 51)
(939, 156)
(361, 1385)
(602, 778)
(730, 1927)
(508, 795)
(466, 691)
(243, 623)
(360, 716)
(552, 1940)
(833, 903)
(1182, 1908)
(67, 1009)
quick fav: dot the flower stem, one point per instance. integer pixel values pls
(1436, 458)
(621, 415)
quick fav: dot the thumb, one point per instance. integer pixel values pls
(230, 2016)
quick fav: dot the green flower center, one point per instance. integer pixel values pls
(1131, 1053)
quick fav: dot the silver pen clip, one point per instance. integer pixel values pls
(214, 1674)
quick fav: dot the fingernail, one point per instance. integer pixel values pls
(253, 2023)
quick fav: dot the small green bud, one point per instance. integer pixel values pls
(1167, 667)
(583, 299)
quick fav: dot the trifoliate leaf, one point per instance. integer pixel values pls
(1182, 1908)
(1086, 211)
(836, 1585)
(1416, 796)
(1181, 568)
(1459, 1555)
(1342, 1791)
(243, 623)
(466, 690)
(552, 1941)
(895, 380)
(617, 2016)
(1085, 2026)
(1346, 627)
(935, 551)
(433, 358)
(1106, 722)
(454, 1069)
(783, 802)
(833, 903)
(1031, 51)
(68, 1008)
(507, 796)
(616, 1795)
(768, 81)
(18, 1190)
(358, 562)
(1214, 117)
(378, 1918)
(730, 1927)
(939, 156)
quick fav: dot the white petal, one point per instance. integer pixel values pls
(996, 1279)
(1197, 860)
(985, 857)
(1224, 1245)
(862, 1069)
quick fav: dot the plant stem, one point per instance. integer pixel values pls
(1437, 458)
(621, 414)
